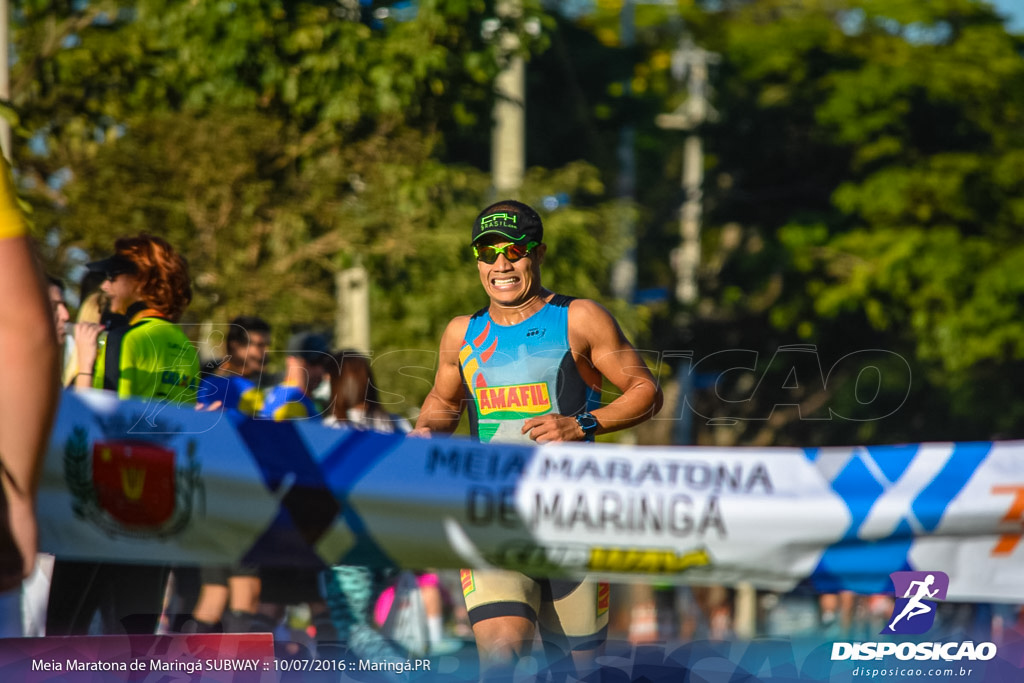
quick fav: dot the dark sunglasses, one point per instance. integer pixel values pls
(489, 253)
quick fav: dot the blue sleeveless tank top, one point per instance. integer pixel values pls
(514, 372)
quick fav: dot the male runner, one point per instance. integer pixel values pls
(529, 366)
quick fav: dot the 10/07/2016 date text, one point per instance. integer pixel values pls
(392, 666)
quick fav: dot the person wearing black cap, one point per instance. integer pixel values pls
(148, 356)
(529, 368)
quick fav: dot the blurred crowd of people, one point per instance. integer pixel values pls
(126, 339)
(665, 613)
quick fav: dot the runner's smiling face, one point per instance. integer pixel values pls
(510, 283)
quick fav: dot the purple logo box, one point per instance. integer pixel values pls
(917, 594)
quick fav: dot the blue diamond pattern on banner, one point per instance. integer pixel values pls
(851, 564)
(343, 468)
(859, 489)
(307, 507)
(893, 460)
(936, 497)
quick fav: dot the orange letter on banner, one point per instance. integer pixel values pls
(1007, 542)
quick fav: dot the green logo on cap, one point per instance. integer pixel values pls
(498, 220)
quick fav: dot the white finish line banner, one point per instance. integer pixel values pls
(137, 482)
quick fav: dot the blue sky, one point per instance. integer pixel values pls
(1014, 8)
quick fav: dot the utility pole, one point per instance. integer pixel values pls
(624, 270)
(692, 62)
(352, 329)
(508, 134)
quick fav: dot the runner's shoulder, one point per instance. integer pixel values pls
(588, 311)
(591, 325)
(457, 327)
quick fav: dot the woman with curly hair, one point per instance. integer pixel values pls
(146, 355)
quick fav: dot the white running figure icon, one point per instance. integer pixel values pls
(914, 606)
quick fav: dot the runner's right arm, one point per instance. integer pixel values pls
(443, 406)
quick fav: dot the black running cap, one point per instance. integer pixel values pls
(113, 265)
(510, 219)
(310, 347)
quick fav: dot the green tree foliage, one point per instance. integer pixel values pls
(277, 142)
(863, 188)
(870, 154)
(84, 67)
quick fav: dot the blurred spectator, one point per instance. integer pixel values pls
(306, 362)
(93, 303)
(349, 590)
(59, 308)
(145, 356)
(229, 595)
(234, 382)
(355, 401)
(837, 612)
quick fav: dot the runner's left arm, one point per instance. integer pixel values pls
(595, 334)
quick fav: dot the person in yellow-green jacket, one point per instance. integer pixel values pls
(149, 356)
(29, 375)
(145, 356)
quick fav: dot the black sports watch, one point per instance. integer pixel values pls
(588, 423)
